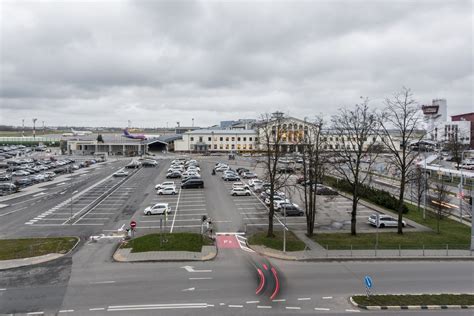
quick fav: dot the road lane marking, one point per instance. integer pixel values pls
(321, 309)
(279, 300)
(66, 311)
(252, 302)
(3, 289)
(35, 313)
(263, 306)
(175, 211)
(4, 205)
(293, 307)
(39, 194)
(304, 298)
(235, 306)
(103, 282)
(327, 297)
(4, 214)
(203, 278)
(352, 310)
(97, 309)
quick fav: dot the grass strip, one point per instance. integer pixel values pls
(34, 247)
(292, 242)
(174, 242)
(422, 299)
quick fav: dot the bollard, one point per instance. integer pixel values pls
(399, 250)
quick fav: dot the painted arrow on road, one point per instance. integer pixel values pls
(189, 289)
(191, 269)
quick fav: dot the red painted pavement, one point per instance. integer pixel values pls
(224, 241)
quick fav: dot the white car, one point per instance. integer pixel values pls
(20, 173)
(193, 168)
(240, 191)
(166, 191)
(384, 221)
(165, 184)
(253, 182)
(240, 185)
(222, 168)
(276, 198)
(158, 209)
(120, 173)
(278, 203)
(190, 173)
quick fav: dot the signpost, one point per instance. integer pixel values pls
(133, 224)
(368, 284)
(377, 223)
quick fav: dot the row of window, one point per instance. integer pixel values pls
(209, 139)
(230, 146)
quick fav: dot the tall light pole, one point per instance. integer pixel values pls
(34, 128)
(284, 230)
(23, 128)
(461, 195)
(43, 129)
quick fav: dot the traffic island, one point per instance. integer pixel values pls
(273, 246)
(28, 251)
(417, 301)
(167, 247)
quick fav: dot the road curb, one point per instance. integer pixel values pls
(121, 258)
(408, 307)
(30, 261)
(276, 254)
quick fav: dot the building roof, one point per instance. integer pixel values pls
(223, 132)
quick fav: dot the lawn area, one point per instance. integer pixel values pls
(453, 233)
(175, 242)
(292, 242)
(33, 247)
(397, 300)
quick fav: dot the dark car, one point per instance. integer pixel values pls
(190, 177)
(192, 183)
(173, 175)
(290, 209)
(324, 190)
(23, 182)
(7, 188)
(242, 170)
(286, 169)
(231, 177)
(5, 177)
(149, 163)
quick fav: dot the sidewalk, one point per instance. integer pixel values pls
(16, 263)
(125, 255)
(316, 252)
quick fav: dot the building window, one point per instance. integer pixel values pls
(192, 139)
(221, 146)
(250, 139)
(238, 139)
(233, 146)
(330, 139)
(233, 139)
(244, 146)
(200, 139)
(222, 139)
(227, 139)
(209, 146)
(215, 146)
(245, 139)
(238, 146)
(226, 146)
(209, 138)
(250, 146)
(215, 139)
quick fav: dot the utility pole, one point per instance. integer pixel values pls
(426, 186)
(461, 195)
(43, 129)
(284, 230)
(23, 128)
(34, 128)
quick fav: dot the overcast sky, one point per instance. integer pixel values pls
(101, 63)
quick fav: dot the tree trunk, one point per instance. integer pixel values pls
(401, 203)
(354, 212)
(270, 223)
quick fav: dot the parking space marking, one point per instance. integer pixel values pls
(175, 211)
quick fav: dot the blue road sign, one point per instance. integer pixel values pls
(368, 281)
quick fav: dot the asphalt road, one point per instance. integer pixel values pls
(87, 282)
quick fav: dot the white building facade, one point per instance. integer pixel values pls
(210, 140)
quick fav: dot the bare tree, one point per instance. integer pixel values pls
(311, 143)
(455, 147)
(353, 128)
(419, 180)
(272, 135)
(440, 199)
(402, 116)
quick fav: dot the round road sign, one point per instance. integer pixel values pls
(133, 224)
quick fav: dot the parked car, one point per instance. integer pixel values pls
(384, 221)
(165, 184)
(325, 190)
(158, 209)
(20, 173)
(192, 183)
(8, 187)
(290, 209)
(23, 182)
(240, 191)
(249, 175)
(253, 182)
(120, 173)
(167, 191)
(230, 177)
(184, 179)
(240, 171)
(276, 198)
(240, 185)
(173, 175)
(5, 177)
(149, 163)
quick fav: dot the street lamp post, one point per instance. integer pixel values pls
(284, 230)
(461, 189)
(34, 128)
(425, 180)
(23, 128)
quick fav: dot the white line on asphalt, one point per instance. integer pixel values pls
(39, 194)
(97, 309)
(352, 310)
(293, 307)
(3, 289)
(304, 298)
(252, 302)
(263, 306)
(62, 192)
(103, 282)
(203, 278)
(175, 211)
(321, 309)
(235, 306)
(327, 297)
(279, 300)
(4, 205)
(35, 313)
(66, 311)
(13, 211)
(221, 304)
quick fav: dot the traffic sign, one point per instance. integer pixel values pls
(368, 281)
(133, 224)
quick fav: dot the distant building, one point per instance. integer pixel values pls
(212, 140)
(435, 115)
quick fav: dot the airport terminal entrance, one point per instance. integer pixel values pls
(157, 146)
